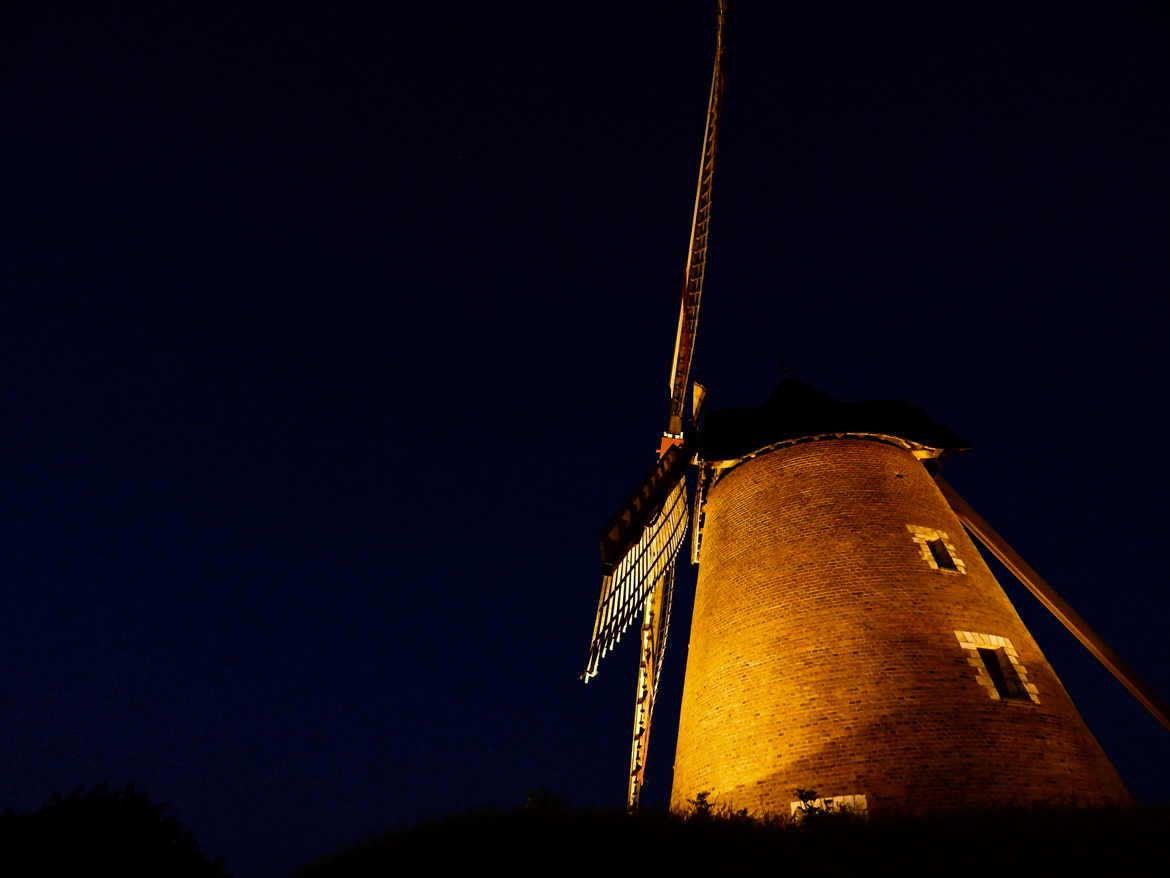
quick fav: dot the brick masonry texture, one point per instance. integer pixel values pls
(824, 652)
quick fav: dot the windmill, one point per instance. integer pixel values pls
(846, 635)
(640, 545)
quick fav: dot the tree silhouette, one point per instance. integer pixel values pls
(117, 833)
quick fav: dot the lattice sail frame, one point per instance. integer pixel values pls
(626, 588)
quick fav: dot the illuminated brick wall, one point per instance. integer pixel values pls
(827, 652)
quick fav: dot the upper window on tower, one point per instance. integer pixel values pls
(936, 549)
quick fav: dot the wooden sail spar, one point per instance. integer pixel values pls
(655, 622)
(692, 291)
(1055, 604)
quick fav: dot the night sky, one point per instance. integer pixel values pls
(331, 337)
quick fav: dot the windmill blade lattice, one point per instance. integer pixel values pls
(624, 591)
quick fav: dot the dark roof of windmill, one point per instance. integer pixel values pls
(795, 410)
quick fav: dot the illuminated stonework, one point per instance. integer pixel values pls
(943, 548)
(975, 643)
(823, 650)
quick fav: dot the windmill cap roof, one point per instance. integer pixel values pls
(796, 410)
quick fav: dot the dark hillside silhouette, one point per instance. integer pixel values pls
(119, 833)
(545, 840)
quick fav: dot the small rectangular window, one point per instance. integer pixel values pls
(937, 549)
(1003, 673)
(997, 666)
(942, 557)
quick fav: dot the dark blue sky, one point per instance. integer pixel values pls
(331, 338)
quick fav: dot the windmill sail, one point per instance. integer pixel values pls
(640, 544)
(662, 627)
(692, 291)
(655, 620)
(638, 547)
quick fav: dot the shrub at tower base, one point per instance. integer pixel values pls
(546, 840)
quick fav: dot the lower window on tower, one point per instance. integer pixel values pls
(997, 667)
(1003, 675)
(942, 558)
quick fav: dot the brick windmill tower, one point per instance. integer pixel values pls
(847, 636)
